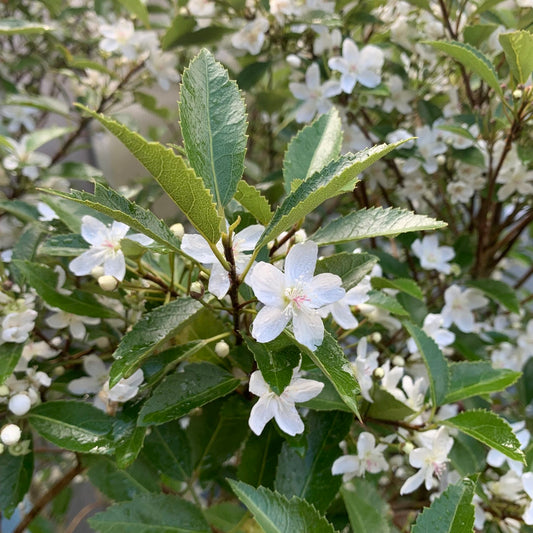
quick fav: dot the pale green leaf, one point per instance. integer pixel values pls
(312, 148)
(22, 27)
(10, 354)
(351, 268)
(408, 286)
(137, 8)
(39, 137)
(366, 508)
(254, 202)
(45, 103)
(213, 125)
(175, 177)
(374, 222)
(518, 49)
(16, 475)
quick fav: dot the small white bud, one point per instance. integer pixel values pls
(375, 337)
(97, 272)
(294, 61)
(408, 447)
(19, 404)
(178, 230)
(222, 349)
(379, 373)
(517, 94)
(300, 236)
(441, 159)
(10, 434)
(108, 283)
(197, 290)
(102, 343)
(58, 371)
(4, 390)
(398, 360)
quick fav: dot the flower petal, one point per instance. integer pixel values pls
(412, 483)
(308, 328)
(346, 464)
(288, 418)
(83, 264)
(262, 412)
(93, 231)
(302, 390)
(85, 385)
(258, 385)
(268, 284)
(300, 262)
(325, 289)
(246, 239)
(269, 323)
(196, 246)
(115, 265)
(342, 314)
(95, 367)
(218, 281)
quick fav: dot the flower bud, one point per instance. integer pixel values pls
(398, 360)
(58, 371)
(178, 230)
(10, 434)
(97, 272)
(441, 159)
(108, 283)
(517, 94)
(4, 390)
(197, 290)
(222, 349)
(379, 373)
(375, 337)
(19, 404)
(101, 342)
(294, 61)
(300, 236)
(408, 447)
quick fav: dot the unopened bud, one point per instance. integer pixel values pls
(19, 404)
(517, 94)
(102, 343)
(300, 236)
(10, 434)
(408, 447)
(4, 390)
(178, 230)
(97, 272)
(222, 349)
(293, 60)
(58, 371)
(197, 290)
(379, 373)
(108, 283)
(375, 337)
(398, 360)
(441, 159)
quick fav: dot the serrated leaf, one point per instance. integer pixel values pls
(10, 354)
(351, 268)
(498, 291)
(366, 508)
(114, 205)
(254, 202)
(517, 48)
(44, 281)
(467, 379)
(435, 362)
(179, 393)
(472, 59)
(45, 103)
(22, 210)
(16, 473)
(312, 148)
(408, 286)
(374, 222)
(75, 426)
(322, 185)
(386, 407)
(137, 8)
(178, 180)
(276, 366)
(22, 27)
(69, 245)
(276, 514)
(168, 449)
(386, 302)
(467, 455)
(309, 476)
(451, 512)
(213, 125)
(148, 334)
(226, 517)
(489, 429)
(151, 513)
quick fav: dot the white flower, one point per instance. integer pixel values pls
(252, 36)
(282, 407)
(369, 458)
(363, 367)
(459, 306)
(340, 310)
(163, 66)
(16, 327)
(76, 324)
(46, 213)
(127, 388)
(315, 96)
(10, 434)
(19, 116)
(96, 377)
(527, 483)
(23, 157)
(294, 295)
(203, 10)
(119, 38)
(518, 180)
(508, 487)
(497, 459)
(326, 40)
(433, 328)
(358, 66)
(433, 256)
(399, 99)
(430, 459)
(105, 248)
(198, 248)
(429, 146)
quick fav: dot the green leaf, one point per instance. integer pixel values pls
(322, 185)
(24, 250)
(69, 245)
(330, 358)
(44, 281)
(213, 125)
(22, 27)
(75, 426)
(258, 458)
(489, 429)
(408, 286)
(175, 177)
(180, 26)
(129, 446)
(39, 137)
(75, 170)
(182, 392)
(137, 8)
(436, 364)
(451, 512)
(351, 268)
(148, 334)
(252, 74)
(23, 211)
(114, 205)
(467, 456)
(276, 514)
(151, 513)
(374, 222)
(467, 379)
(45, 103)
(386, 407)
(498, 291)
(121, 485)
(16, 474)
(226, 517)
(168, 449)
(386, 302)
(328, 399)
(276, 366)
(254, 202)
(309, 476)
(10, 354)
(517, 48)
(472, 59)
(312, 148)
(366, 508)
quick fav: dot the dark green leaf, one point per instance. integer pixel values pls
(10, 353)
(180, 26)
(22, 210)
(351, 268)
(386, 407)
(467, 455)
(226, 517)
(252, 74)
(24, 250)
(16, 474)
(137, 8)
(400, 284)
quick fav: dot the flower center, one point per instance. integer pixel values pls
(295, 296)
